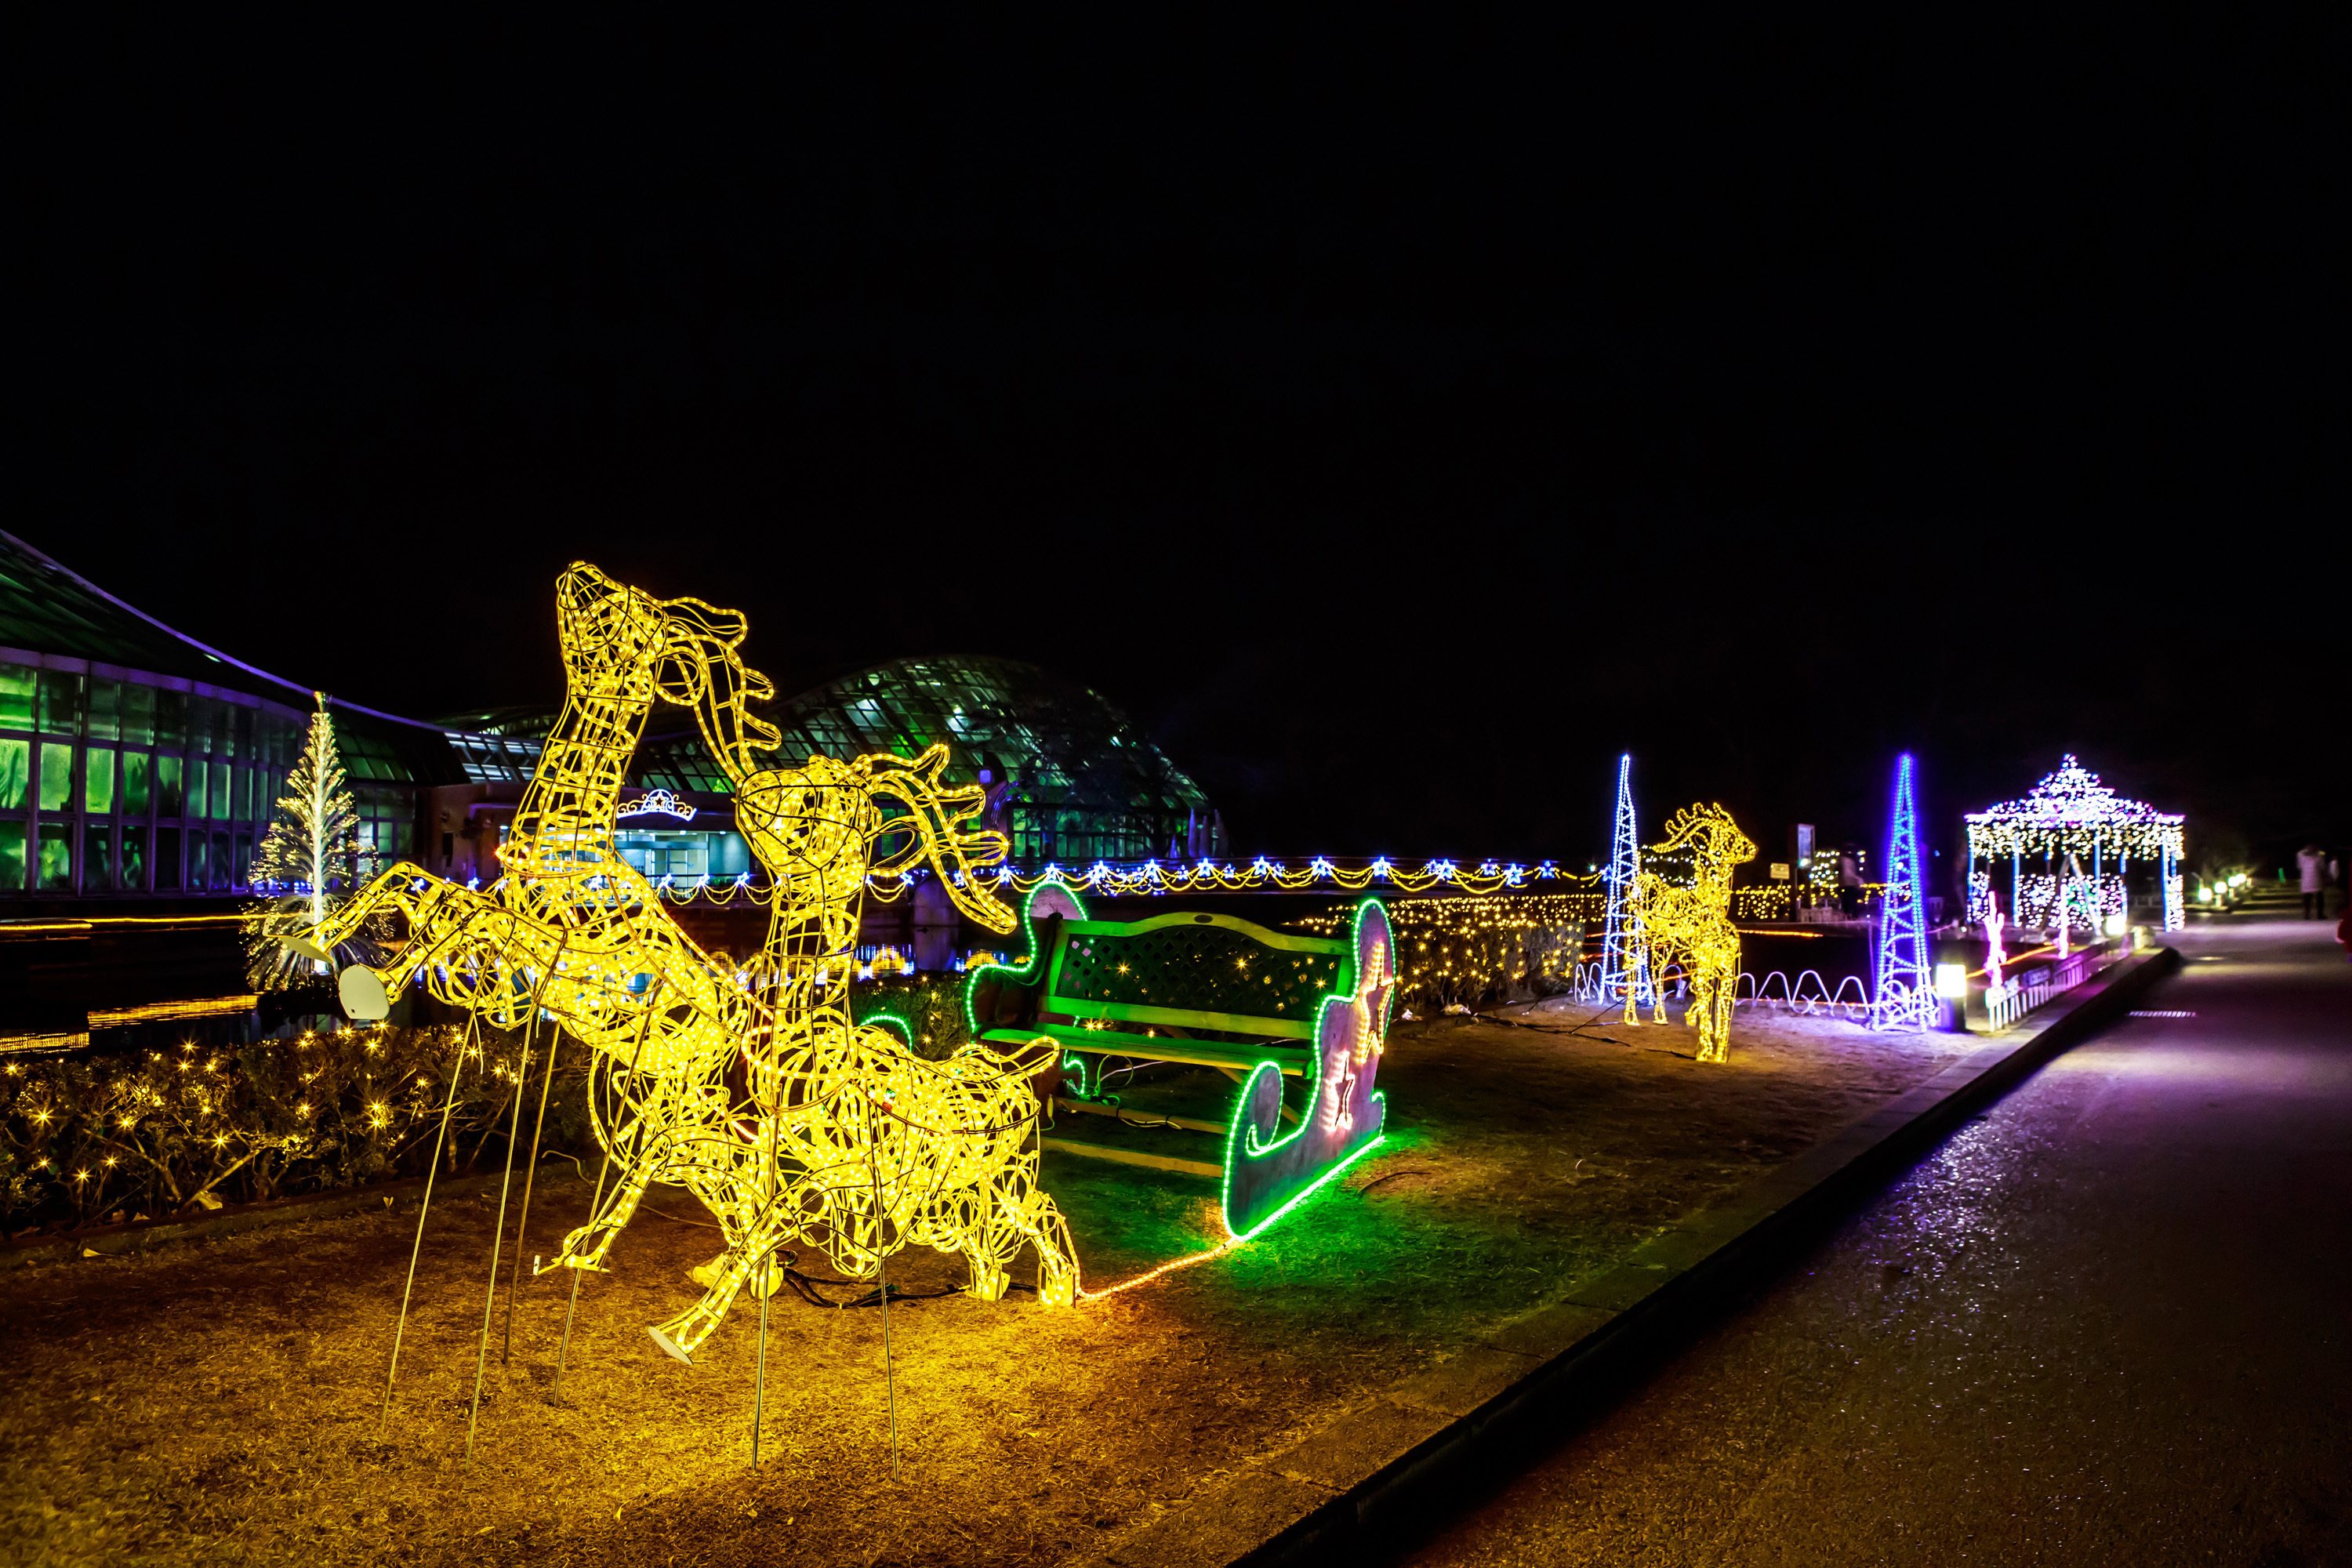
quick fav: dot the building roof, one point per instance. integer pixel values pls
(1060, 742)
(1063, 746)
(47, 608)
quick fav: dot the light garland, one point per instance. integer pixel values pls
(2071, 817)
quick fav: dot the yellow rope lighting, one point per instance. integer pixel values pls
(1693, 924)
(747, 1083)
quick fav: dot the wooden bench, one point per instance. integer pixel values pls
(1211, 991)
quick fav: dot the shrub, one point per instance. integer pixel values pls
(84, 1140)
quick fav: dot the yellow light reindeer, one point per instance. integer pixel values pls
(844, 1137)
(1693, 924)
(751, 1087)
(570, 926)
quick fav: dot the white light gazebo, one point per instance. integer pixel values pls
(2085, 837)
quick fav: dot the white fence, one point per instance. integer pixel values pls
(2015, 998)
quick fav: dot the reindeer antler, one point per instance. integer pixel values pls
(939, 812)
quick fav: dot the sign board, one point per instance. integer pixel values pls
(1780, 870)
(1804, 844)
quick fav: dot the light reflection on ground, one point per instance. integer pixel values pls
(2104, 1323)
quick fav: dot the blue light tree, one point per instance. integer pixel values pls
(1902, 997)
(1625, 962)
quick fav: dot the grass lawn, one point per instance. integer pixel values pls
(220, 1400)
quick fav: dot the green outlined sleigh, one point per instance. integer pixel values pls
(1270, 1010)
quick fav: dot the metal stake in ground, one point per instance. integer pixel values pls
(498, 1234)
(767, 1266)
(882, 1277)
(424, 1206)
(530, 1170)
(596, 1203)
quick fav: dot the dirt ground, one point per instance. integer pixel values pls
(220, 1400)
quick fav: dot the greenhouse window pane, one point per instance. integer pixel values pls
(16, 683)
(57, 857)
(15, 765)
(60, 702)
(103, 698)
(137, 714)
(57, 775)
(98, 780)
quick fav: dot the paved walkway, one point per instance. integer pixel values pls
(2111, 1323)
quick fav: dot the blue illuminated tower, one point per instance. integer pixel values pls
(1902, 994)
(1625, 862)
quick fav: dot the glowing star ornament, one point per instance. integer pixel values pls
(1693, 925)
(742, 1082)
(1903, 992)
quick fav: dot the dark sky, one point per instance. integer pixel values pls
(1399, 420)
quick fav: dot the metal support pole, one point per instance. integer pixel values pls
(424, 1206)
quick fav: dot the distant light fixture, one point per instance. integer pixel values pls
(656, 802)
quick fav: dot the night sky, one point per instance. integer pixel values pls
(1399, 421)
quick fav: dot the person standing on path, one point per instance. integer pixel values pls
(2313, 863)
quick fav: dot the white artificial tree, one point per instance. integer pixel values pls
(313, 840)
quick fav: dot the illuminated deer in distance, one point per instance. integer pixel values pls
(1693, 924)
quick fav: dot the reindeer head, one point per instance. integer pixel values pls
(1715, 841)
(819, 824)
(622, 643)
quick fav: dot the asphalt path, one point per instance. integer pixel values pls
(2106, 1323)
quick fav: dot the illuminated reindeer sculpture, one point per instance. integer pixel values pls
(1693, 924)
(570, 926)
(847, 1139)
(749, 1087)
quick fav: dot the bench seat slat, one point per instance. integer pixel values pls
(1292, 1059)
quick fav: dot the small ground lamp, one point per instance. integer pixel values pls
(1952, 986)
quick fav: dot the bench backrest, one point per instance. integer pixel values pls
(1195, 970)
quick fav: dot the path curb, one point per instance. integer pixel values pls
(1357, 1489)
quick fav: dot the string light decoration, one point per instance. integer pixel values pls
(312, 846)
(1624, 959)
(1903, 996)
(1692, 925)
(747, 1083)
(1460, 953)
(2071, 813)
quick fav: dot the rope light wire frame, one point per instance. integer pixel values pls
(1903, 997)
(747, 1083)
